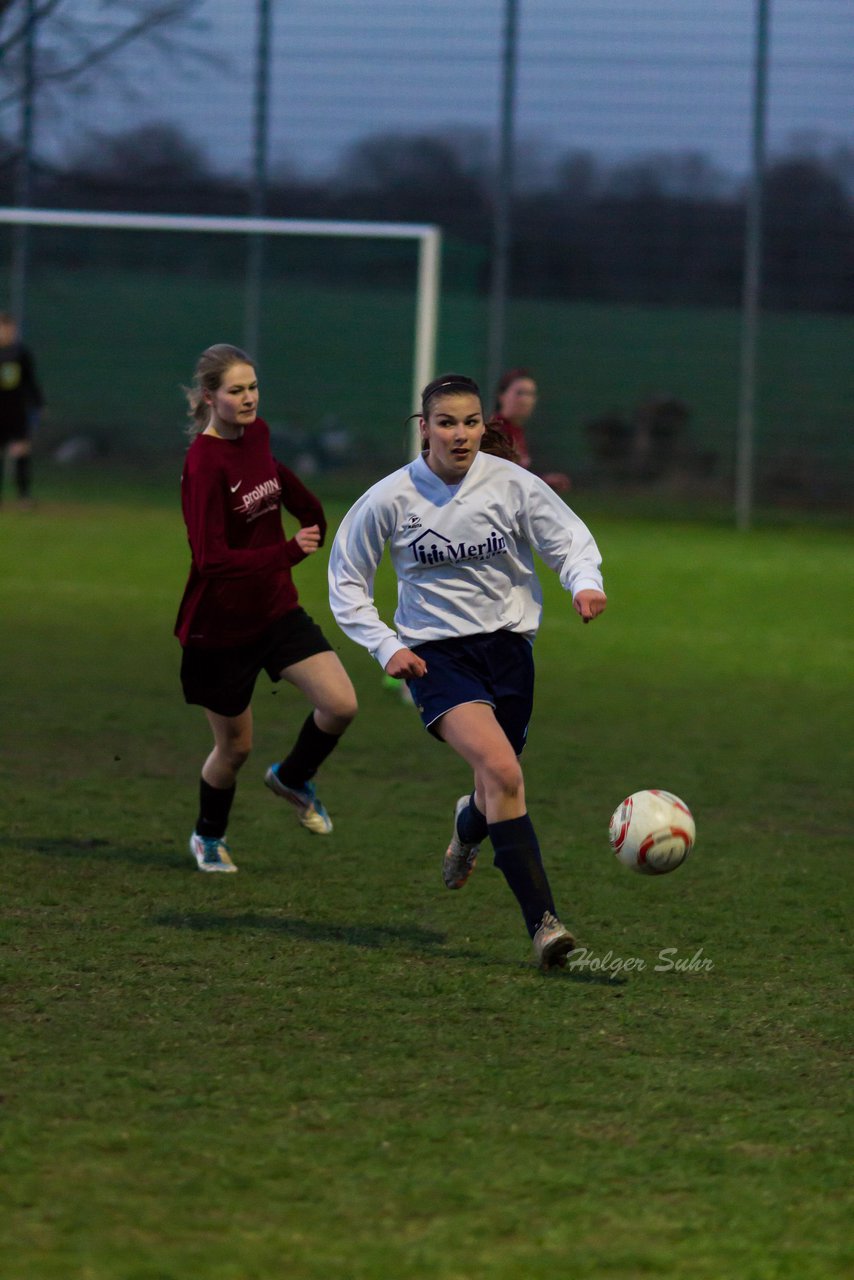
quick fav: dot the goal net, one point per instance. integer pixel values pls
(341, 318)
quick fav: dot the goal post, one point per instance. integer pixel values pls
(427, 236)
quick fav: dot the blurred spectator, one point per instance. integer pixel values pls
(21, 402)
(515, 401)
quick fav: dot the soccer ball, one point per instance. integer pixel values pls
(652, 832)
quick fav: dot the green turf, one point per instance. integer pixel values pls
(327, 1064)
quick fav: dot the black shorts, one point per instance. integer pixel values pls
(497, 669)
(223, 680)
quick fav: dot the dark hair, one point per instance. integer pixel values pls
(508, 378)
(211, 367)
(494, 441)
(447, 384)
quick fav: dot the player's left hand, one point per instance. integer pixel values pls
(308, 539)
(589, 604)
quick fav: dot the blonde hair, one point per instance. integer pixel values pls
(208, 374)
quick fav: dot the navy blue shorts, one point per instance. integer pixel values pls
(223, 680)
(497, 669)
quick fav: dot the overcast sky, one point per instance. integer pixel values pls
(618, 77)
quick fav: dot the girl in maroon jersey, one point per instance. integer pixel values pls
(515, 401)
(240, 613)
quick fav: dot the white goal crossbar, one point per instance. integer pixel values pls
(429, 240)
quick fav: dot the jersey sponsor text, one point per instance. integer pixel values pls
(434, 548)
(264, 497)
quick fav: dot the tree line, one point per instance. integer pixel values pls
(659, 229)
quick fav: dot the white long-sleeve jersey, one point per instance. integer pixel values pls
(463, 555)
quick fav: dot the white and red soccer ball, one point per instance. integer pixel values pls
(652, 832)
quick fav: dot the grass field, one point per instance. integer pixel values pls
(327, 1065)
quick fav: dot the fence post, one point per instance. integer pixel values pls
(20, 264)
(746, 429)
(258, 198)
(503, 210)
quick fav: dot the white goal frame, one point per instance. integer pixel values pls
(429, 240)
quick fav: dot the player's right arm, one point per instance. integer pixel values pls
(353, 563)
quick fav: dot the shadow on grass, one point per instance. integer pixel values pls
(373, 936)
(93, 847)
(352, 935)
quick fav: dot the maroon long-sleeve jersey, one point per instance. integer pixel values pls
(232, 492)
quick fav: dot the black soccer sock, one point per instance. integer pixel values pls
(472, 827)
(214, 808)
(23, 475)
(517, 855)
(307, 754)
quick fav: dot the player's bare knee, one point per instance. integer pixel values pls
(503, 778)
(337, 713)
(237, 752)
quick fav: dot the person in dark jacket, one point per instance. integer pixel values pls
(21, 402)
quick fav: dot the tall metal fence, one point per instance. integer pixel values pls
(593, 166)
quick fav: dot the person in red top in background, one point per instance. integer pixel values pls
(240, 613)
(515, 401)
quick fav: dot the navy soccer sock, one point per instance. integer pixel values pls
(307, 755)
(517, 856)
(214, 808)
(472, 827)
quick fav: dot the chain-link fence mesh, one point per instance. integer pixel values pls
(633, 128)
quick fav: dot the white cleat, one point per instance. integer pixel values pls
(460, 859)
(552, 943)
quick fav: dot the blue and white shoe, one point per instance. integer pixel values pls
(211, 853)
(310, 811)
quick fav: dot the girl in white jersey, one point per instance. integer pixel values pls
(462, 527)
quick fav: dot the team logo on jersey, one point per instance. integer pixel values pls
(410, 524)
(258, 501)
(431, 547)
